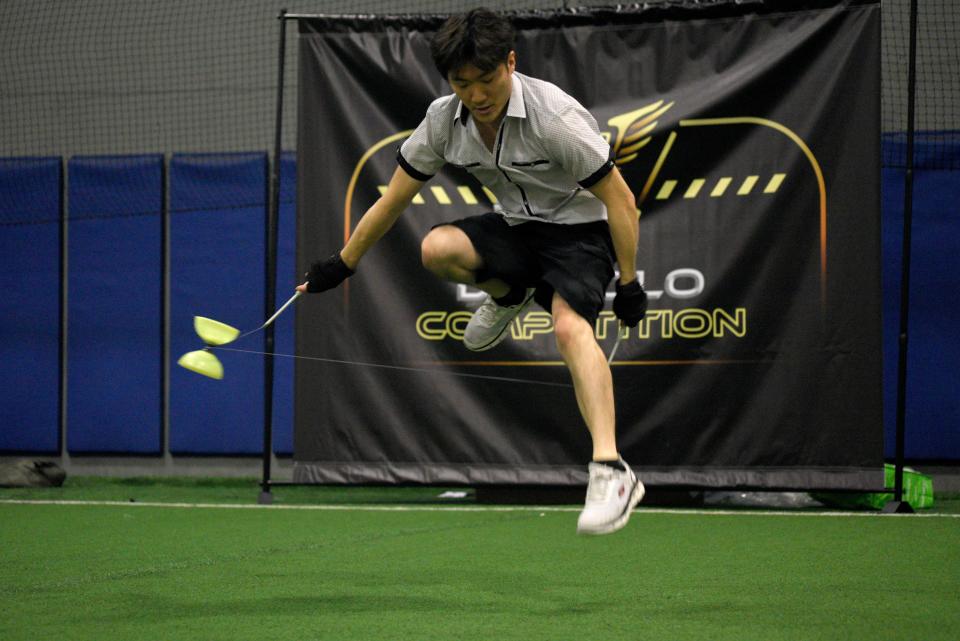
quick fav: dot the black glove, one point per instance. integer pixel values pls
(630, 304)
(327, 274)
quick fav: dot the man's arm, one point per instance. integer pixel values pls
(622, 218)
(381, 216)
(630, 303)
(376, 222)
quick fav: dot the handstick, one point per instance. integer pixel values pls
(278, 312)
(616, 344)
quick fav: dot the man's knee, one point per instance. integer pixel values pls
(569, 327)
(433, 250)
(443, 248)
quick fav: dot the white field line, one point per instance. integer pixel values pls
(457, 508)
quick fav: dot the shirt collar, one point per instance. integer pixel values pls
(516, 108)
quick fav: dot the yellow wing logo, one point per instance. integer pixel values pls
(633, 130)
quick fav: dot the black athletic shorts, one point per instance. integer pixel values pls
(576, 261)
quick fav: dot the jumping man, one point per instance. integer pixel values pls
(564, 215)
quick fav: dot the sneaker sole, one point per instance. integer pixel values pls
(635, 497)
(503, 332)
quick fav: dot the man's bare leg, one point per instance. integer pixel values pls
(614, 489)
(592, 380)
(447, 252)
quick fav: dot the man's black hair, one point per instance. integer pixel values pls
(480, 37)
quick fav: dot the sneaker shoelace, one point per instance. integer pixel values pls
(487, 312)
(599, 485)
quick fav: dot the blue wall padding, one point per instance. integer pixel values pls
(891, 252)
(933, 405)
(934, 392)
(30, 304)
(217, 232)
(114, 310)
(287, 280)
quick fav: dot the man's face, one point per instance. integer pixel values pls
(484, 93)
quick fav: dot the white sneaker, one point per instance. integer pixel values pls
(611, 496)
(488, 325)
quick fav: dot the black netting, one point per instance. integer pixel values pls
(937, 115)
(116, 77)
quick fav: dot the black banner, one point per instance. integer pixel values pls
(751, 141)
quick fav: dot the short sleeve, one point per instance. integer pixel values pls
(420, 155)
(574, 141)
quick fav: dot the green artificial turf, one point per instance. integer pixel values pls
(130, 572)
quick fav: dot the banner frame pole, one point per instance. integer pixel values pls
(270, 290)
(898, 505)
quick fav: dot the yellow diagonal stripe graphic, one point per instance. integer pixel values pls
(747, 185)
(467, 194)
(666, 189)
(721, 187)
(441, 195)
(774, 184)
(694, 188)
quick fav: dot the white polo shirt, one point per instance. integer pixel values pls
(548, 151)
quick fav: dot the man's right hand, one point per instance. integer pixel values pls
(630, 304)
(326, 274)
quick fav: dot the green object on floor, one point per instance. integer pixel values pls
(917, 491)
